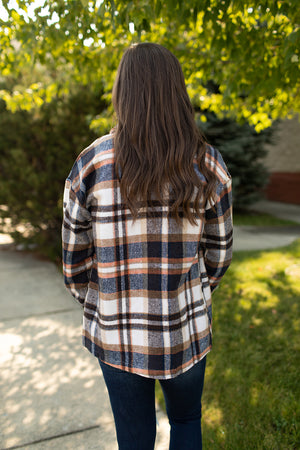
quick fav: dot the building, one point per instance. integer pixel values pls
(283, 163)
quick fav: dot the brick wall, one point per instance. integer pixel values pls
(283, 161)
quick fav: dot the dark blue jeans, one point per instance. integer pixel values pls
(132, 399)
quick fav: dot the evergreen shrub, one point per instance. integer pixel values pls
(37, 153)
(39, 148)
(243, 150)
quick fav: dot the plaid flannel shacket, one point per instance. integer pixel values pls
(146, 285)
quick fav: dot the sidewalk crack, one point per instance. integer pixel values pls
(50, 438)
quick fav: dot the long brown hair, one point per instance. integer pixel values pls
(156, 139)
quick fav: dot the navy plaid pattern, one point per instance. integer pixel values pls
(145, 285)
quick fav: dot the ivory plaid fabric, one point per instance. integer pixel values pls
(146, 285)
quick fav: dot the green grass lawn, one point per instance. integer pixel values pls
(259, 219)
(252, 392)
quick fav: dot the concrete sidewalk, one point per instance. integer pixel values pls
(256, 238)
(52, 392)
(277, 209)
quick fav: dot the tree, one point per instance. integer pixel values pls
(37, 153)
(249, 49)
(58, 60)
(38, 150)
(243, 151)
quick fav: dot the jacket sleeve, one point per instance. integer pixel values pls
(217, 235)
(77, 243)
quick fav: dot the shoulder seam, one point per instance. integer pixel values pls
(218, 166)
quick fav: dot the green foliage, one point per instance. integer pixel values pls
(249, 49)
(240, 61)
(39, 147)
(243, 151)
(251, 391)
(37, 152)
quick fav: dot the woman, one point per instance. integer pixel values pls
(147, 237)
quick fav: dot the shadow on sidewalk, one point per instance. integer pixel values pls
(52, 391)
